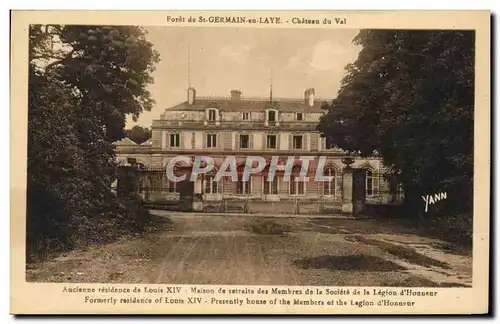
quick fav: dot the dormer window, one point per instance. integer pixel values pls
(212, 113)
(271, 116)
(299, 116)
(245, 116)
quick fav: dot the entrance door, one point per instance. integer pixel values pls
(358, 191)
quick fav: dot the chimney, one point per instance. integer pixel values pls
(191, 95)
(235, 94)
(309, 97)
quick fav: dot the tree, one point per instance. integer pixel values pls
(138, 134)
(83, 82)
(52, 159)
(410, 96)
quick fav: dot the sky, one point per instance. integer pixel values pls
(222, 59)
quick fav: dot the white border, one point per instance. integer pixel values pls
(492, 5)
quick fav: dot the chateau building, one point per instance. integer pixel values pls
(242, 127)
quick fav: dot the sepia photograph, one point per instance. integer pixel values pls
(242, 157)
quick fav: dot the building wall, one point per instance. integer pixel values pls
(187, 140)
(193, 128)
(258, 140)
(306, 116)
(198, 140)
(313, 190)
(184, 115)
(255, 116)
(230, 139)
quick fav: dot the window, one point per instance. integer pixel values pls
(299, 116)
(271, 115)
(297, 142)
(271, 141)
(175, 140)
(271, 187)
(244, 141)
(211, 186)
(246, 116)
(296, 186)
(169, 185)
(211, 140)
(211, 114)
(369, 183)
(243, 187)
(172, 186)
(329, 186)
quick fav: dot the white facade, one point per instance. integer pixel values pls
(235, 126)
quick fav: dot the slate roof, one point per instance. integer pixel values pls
(250, 105)
(125, 141)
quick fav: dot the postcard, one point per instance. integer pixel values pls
(250, 162)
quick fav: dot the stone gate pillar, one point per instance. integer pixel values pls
(347, 181)
(198, 195)
(347, 207)
(358, 191)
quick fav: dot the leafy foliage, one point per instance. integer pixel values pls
(410, 97)
(83, 82)
(138, 134)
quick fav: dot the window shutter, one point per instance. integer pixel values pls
(225, 140)
(290, 141)
(250, 141)
(167, 140)
(376, 183)
(205, 140)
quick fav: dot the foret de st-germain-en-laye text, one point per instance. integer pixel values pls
(258, 20)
